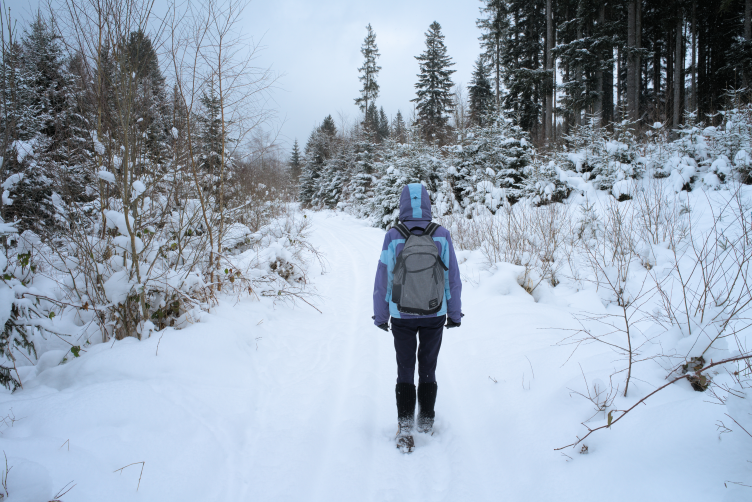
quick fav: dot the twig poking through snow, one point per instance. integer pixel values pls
(143, 463)
(531, 366)
(737, 423)
(59, 494)
(642, 401)
(159, 341)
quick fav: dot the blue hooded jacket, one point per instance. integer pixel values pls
(415, 212)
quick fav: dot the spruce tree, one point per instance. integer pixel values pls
(295, 162)
(210, 136)
(368, 73)
(360, 187)
(151, 98)
(371, 122)
(522, 57)
(480, 93)
(491, 165)
(42, 98)
(383, 128)
(434, 87)
(328, 127)
(399, 130)
(318, 150)
(494, 24)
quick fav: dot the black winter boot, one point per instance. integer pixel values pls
(405, 393)
(426, 401)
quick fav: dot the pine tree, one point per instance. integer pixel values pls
(318, 150)
(399, 130)
(328, 127)
(368, 71)
(150, 96)
(383, 128)
(371, 122)
(493, 25)
(480, 93)
(524, 72)
(434, 87)
(491, 165)
(295, 162)
(210, 136)
(360, 187)
(38, 150)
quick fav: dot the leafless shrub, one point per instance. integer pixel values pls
(536, 237)
(608, 246)
(659, 217)
(601, 397)
(706, 292)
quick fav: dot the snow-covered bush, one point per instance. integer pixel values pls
(402, 165)
(602, 156)
(491, 165)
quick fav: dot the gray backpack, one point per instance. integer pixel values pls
(418, 284)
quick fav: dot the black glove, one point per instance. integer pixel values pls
(384, 326)
(451, 324)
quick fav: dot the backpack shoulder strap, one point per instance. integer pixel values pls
(431, 229)
(402, 229)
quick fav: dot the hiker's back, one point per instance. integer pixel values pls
(419, 283)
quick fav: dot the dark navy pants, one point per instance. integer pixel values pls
(405, 332)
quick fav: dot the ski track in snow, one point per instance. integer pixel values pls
(307, 411)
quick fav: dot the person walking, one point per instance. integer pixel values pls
(417, 285)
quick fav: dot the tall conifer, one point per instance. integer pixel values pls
(434, 87)
(480, 93)
(368, 72)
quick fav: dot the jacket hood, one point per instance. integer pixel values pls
(415, 204)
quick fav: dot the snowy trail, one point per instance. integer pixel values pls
(333, 389)
(278, 404)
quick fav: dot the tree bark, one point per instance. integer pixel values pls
(599, 72)
(693, 102)
(497, 58)
(550, 95)
(631, 62)
(657, 67)
(619, 84)
(638, 59)
(678, 80)
(577, 107)
(670, 53)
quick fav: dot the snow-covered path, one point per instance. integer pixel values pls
(262, 404)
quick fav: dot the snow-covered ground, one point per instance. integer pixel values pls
(272, 403)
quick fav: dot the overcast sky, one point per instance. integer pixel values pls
(315, 46)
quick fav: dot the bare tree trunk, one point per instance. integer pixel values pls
(497, 64)
(693, 104)
(619, 83)
(549, 68)
(678, 77)
(657, 68)
(638, 59)
(670, 54)
(747, 33)
(577, 108)
(631, 61)
(599, 72)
